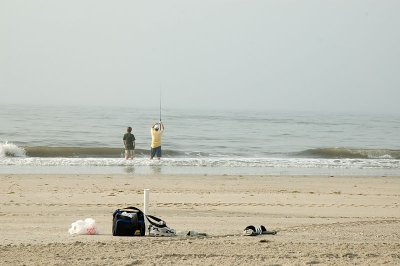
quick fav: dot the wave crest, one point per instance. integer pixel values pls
(11, 150)
(89, 152)
(350, 153)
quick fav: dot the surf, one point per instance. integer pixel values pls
(350, 153)
(11, 150)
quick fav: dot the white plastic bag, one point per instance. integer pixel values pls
(86, 227)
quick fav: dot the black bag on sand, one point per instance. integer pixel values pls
(128, 221)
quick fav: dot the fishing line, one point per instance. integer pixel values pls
(160, 103)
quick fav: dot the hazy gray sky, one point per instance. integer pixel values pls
(341, 55)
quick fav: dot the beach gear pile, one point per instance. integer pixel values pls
(131, 221)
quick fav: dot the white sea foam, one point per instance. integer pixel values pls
(263, 166)
(11, 150)
(208, 162)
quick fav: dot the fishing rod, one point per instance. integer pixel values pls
(160, 103)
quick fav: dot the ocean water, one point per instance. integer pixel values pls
(62, 139)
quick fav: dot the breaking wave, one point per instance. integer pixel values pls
(350, 153)
(11, 150)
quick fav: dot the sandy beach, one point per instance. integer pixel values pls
(325, 220)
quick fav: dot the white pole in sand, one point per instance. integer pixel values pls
(146, 201)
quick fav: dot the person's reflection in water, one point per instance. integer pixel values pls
(129, 169)
(156, 169)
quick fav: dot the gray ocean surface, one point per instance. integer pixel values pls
(79, 139)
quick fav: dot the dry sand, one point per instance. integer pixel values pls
(320, 220)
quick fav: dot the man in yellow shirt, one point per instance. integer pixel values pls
(156, 133)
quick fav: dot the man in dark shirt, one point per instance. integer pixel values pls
(129, 142)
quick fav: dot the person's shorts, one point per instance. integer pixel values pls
(155, 151)
(129, 153)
